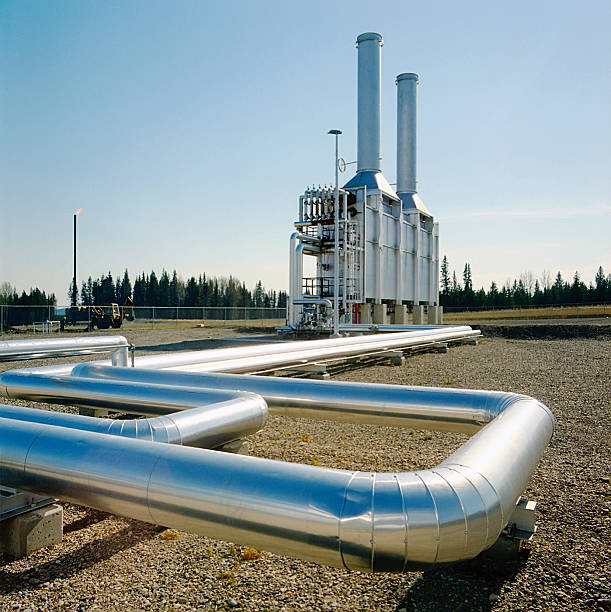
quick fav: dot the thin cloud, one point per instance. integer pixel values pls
(532, 213)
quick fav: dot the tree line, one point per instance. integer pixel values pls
(35, 297)
(203, 291)
(525, 291)
(172, 290)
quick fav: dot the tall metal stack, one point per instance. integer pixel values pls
(387, 250)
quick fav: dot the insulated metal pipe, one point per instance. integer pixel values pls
(266, 350)
(13, 350)
(406, 132)
(123, 396)
(296, 252)
(358, 520)
(207, 426)
(369, 47)
(320, 301)
(362, 328)
(262, 363)
(255, 358)
(395, 405)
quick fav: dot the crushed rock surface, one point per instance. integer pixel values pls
(107, 562)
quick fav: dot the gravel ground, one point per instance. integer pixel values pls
(108, 563)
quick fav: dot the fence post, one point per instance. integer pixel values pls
(225, 315)
(176, 317)
(153, 319)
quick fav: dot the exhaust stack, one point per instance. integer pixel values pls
(407, 114)
(369, 47)
(369, 104)
(406, 132)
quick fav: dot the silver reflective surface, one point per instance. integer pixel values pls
(282, 356)
(207, 426)
(260, 357)
(33, 349)
(358, 520)
(407, 84)
(417, 407)
(369, 101)
(215, 416)
(312, 347)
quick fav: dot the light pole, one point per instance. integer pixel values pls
(74, 286)
(335, 330)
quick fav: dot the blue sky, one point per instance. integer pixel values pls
(186, 130)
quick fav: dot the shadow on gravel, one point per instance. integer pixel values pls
(545, 332)
(74, 561)
(257, 330)
(473, 585)
(92, 516)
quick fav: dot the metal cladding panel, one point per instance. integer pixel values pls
(390, 231)
(425, 269)
(426, 244)
(408, 277)
(408, 237)
(370, 271)
(389, 271)
(372, 230)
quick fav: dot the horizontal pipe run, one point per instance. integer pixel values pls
(357, 520)
(243, 359)
(305, 238)
(12, 350)
(388, 327)
(319, 301)
(230, 354)
(207, 426)
(429, 408)
(368, 345)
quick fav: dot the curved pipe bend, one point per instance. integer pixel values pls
(357, 520)
(319, 301)
(205, 418)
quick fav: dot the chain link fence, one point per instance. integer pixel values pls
(38, 319)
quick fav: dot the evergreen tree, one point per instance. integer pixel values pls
(445, 277)
(493, 296)
(466, 276)
(152, 290)
(126, 289)
(191, 292)
(164, 289)
(259, 295)
(106, 293)
(601, 286)
(140, 291)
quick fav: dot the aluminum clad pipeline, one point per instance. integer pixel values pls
(359, 520)
(395, 405)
